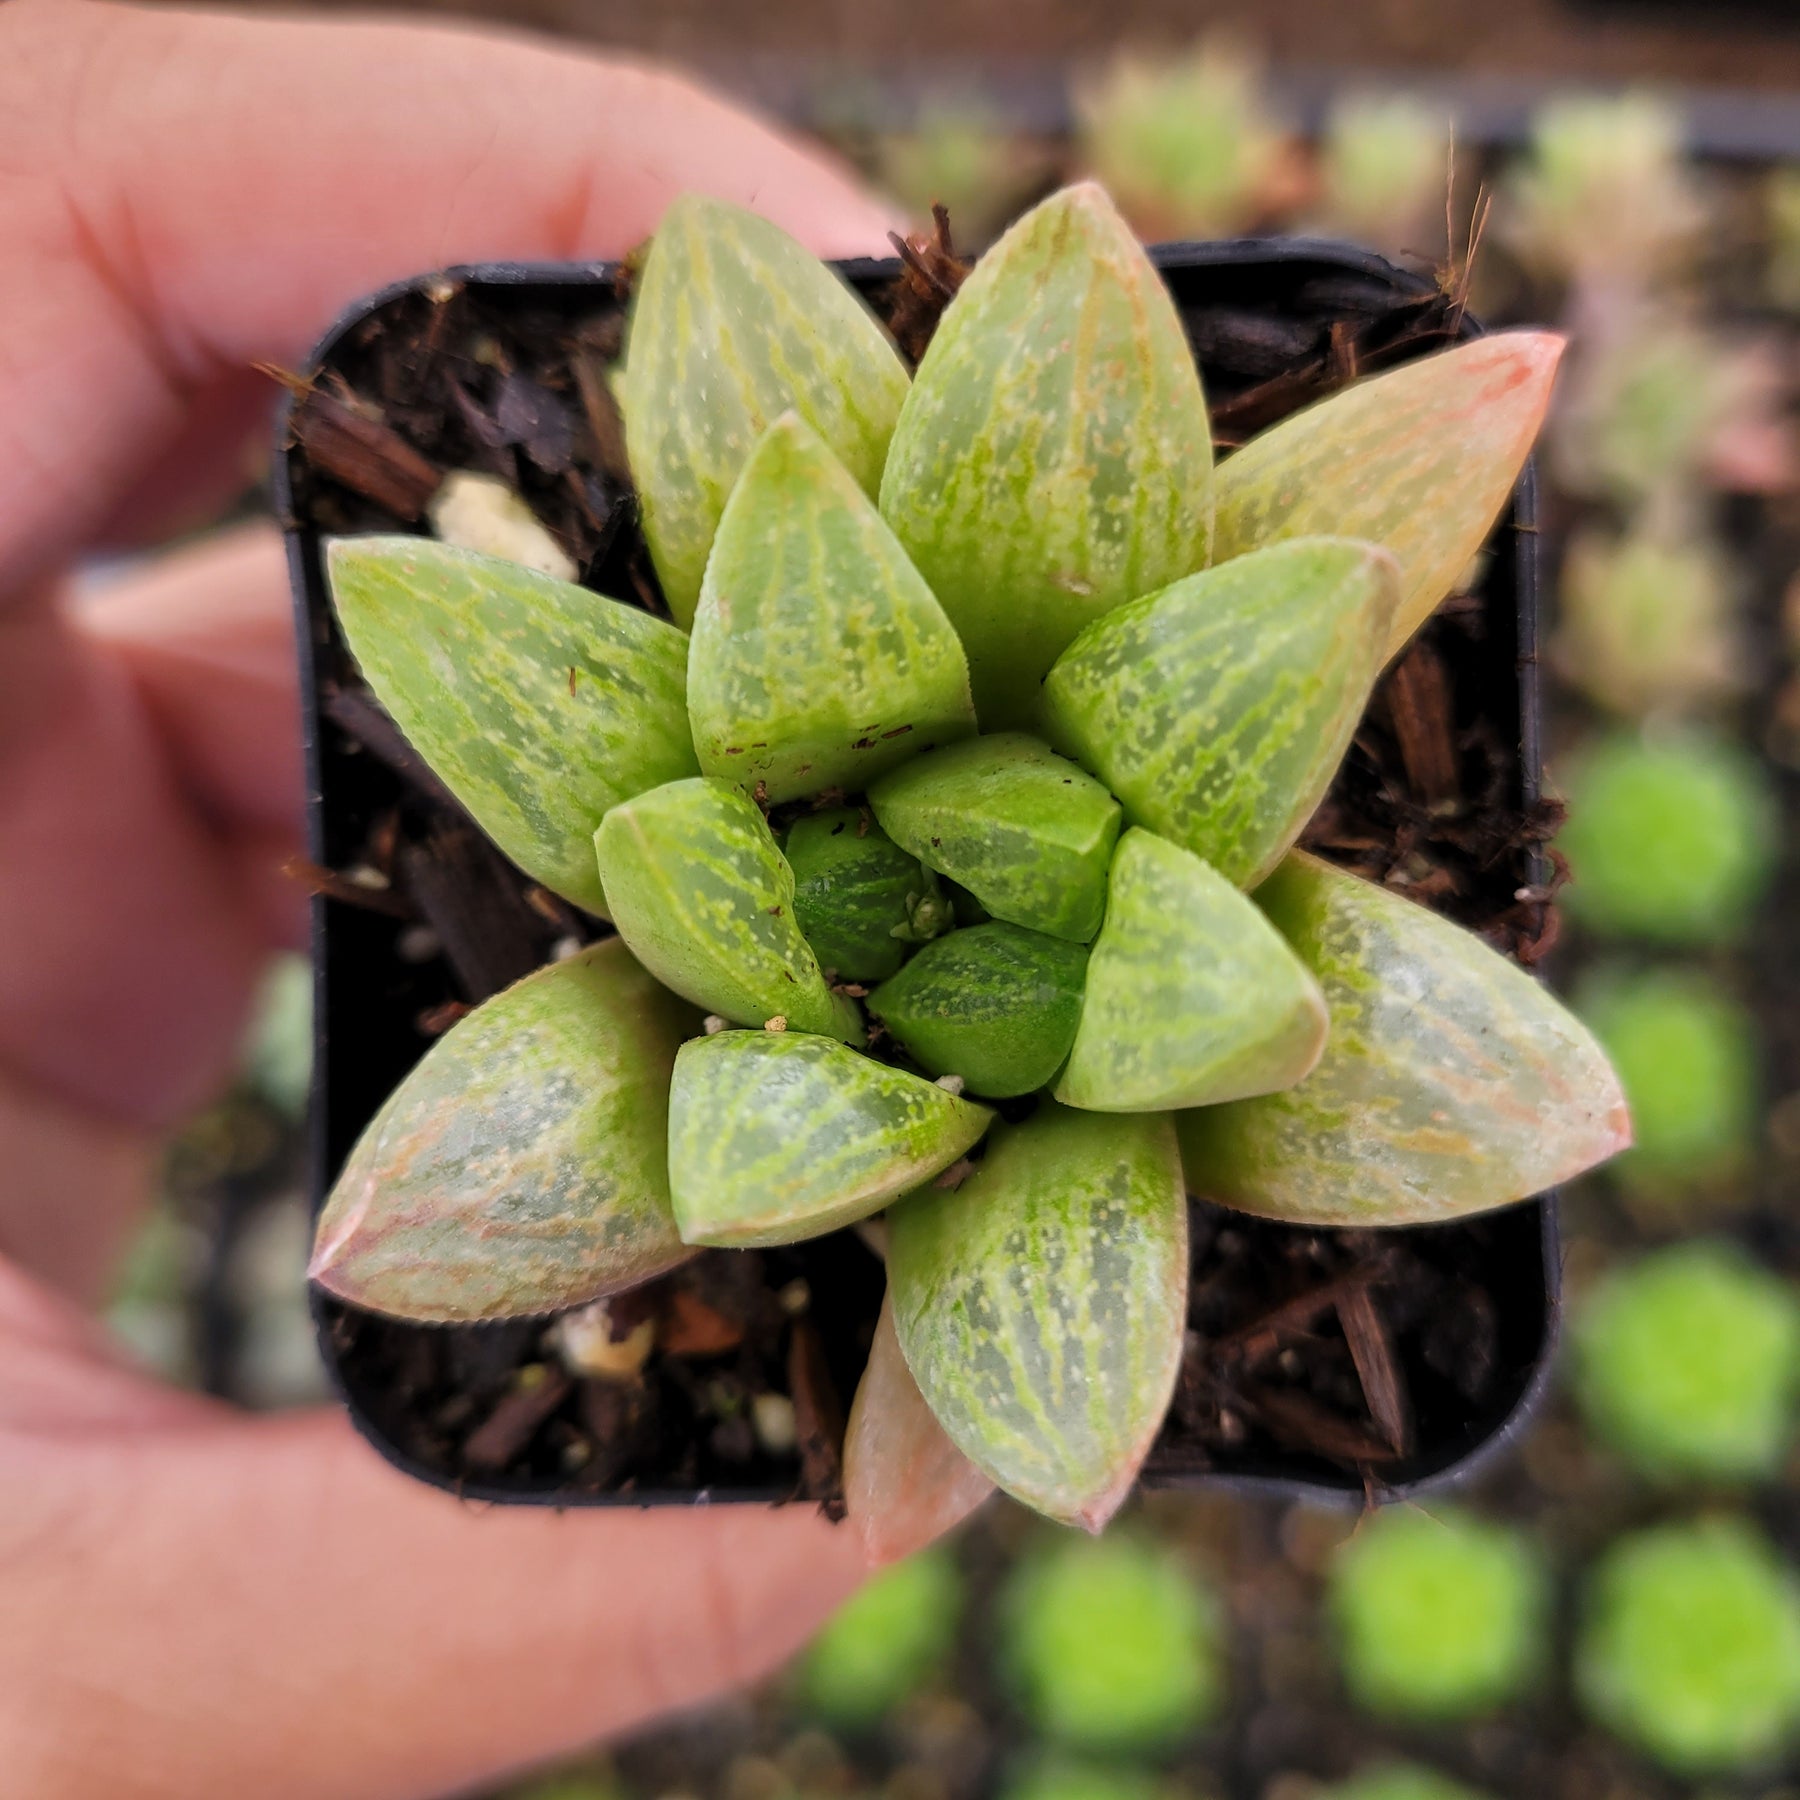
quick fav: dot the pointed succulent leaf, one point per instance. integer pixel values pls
(905, 1483)
(995, 1004)
(539, 704)
(1419, 459)
(776, 1136)
(1192, 996)
(1452, 1082)
(699, 889)
(1219, 709)
(820, 657)
(522, 1166)
(857, 893)
(732, 323)
(1053, 459)
(1041, 1305)
(1024, 830)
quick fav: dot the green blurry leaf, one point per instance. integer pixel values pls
(1024, 830)
(776, 1136)
(1192, 996)
(1041, 1305)
(1451, 1082)
(1419, 459)
(820, 657)
(522, 1166)
(995, 1004)
(1053, 459)
(1218, 710)
(857, 894)
(905, 1483)
(733, 323)
(700, 891)
(539, 704)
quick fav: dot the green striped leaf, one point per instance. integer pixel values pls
(539, 704)
(905, 1483)
(1024, 830)
(701, 892)
(1053, 459)
(1192, 996)
(522, 1166)
(1420, 460)
(860, 899)
(778, 1136)
(1452, 1082)
(1219, 709)
(1041, 1305)
(995, 1004)
(820, 658)
(732, 323)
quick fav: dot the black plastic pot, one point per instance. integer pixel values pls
(1252, 307)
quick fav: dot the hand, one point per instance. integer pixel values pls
(196, 1603)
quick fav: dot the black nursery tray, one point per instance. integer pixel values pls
(1327, 1363)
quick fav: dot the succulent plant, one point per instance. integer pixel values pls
(1686, 1052)
(1396, 1781)
(885, 1642)
(1056, 1777)
(1648, 622)
(1187, 143)
(1439, 1615)
(996, 701)
(1688, 1362)
(1604, 194)
(1112, 1646)
(1385, 163)
(1672, 837)
(1689, 1646)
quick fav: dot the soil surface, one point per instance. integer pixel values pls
(1358, 1360)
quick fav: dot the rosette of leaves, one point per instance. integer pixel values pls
(970, 773)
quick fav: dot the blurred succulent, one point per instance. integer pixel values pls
(1782, 227)
(1686, 1053)
(1648, 622)
(1689, 1646)
(1397, 1781)
(1439, 1615)
(1153, 734)
(1671, 838)
(1186, 143)
(884, 1643)
(1688, 1362)
(1659, 410)
(1385, 171)
(960, 156)
(1604, 194)
(1112, 1646)
(1059, 1777)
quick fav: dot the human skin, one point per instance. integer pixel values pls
(197, 1603)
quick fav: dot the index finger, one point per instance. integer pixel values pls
(200, 192)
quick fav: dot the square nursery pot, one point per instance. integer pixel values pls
(1313, 1352)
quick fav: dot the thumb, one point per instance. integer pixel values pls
(267, 1607)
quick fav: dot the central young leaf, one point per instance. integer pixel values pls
(1053, 458)
(1023, 829)
(820, 658)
